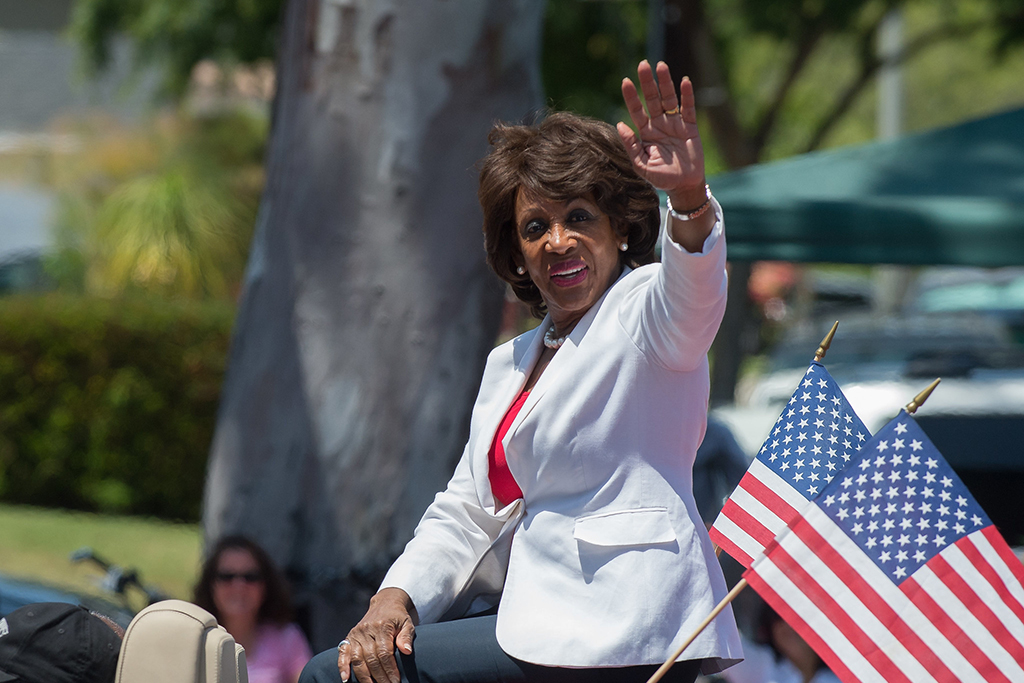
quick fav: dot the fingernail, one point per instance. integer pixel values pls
(344, 677)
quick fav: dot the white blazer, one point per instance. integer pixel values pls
(609, 563)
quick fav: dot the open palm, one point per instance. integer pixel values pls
(666, 148)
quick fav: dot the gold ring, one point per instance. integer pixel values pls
(674, 110)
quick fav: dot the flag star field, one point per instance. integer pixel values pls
(901, 502)
(813, 440)
(815, 436)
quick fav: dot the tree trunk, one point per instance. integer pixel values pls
(367, 310)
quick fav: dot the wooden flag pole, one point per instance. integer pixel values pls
(704, 624)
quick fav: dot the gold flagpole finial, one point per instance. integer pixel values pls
(826, 342)
(922, 397)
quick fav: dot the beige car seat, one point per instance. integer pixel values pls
(175, 641)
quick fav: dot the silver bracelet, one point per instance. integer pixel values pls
(696, 213)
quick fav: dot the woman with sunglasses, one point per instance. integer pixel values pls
(248, 595)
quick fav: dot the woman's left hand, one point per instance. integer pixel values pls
(666, 148)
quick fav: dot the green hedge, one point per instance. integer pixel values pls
(109, 405)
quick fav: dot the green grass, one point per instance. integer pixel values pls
(35, 543)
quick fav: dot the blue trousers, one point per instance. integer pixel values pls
(466, 651)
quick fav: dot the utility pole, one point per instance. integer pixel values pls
(891, 283)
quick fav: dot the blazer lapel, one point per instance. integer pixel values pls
(524, 358)
(561, 360)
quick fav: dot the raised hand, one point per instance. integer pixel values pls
(666, 148)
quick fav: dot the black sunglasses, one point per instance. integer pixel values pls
(248, 577)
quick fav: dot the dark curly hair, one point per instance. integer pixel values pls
(563, 157)
(276, 607)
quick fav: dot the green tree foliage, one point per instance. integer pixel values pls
(817, 66)
(109, 405)
(178, 33)
(793, 73)
(588, 48)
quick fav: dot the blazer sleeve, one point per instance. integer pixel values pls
(454, 533)
(674, 316)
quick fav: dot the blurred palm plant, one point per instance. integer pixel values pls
(178, 231)
(167, 208)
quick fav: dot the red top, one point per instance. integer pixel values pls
(503, 484)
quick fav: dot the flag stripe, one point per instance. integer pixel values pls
(999, 546)
(969, 619)
(855, 571)
(834, 662)
(758, 508)
(951, 631)
(752, 517)
(987, 567)
(735, 541)
(970, 582)
(782, 498)
(851, 617)
(816, 628)
(998, 554)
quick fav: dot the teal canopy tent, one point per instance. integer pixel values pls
(952, 196)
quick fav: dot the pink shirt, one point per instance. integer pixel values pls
(279, 654)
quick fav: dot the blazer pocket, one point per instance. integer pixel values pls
(639, 526)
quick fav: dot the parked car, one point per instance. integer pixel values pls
(993, 292)
(975, 417)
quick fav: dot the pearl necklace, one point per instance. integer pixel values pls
(553, 342)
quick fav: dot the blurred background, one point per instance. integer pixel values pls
(137, 142)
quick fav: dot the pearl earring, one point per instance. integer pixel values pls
(623, 247)
(521, 270)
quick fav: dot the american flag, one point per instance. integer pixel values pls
(813, 439)
(895, 573)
